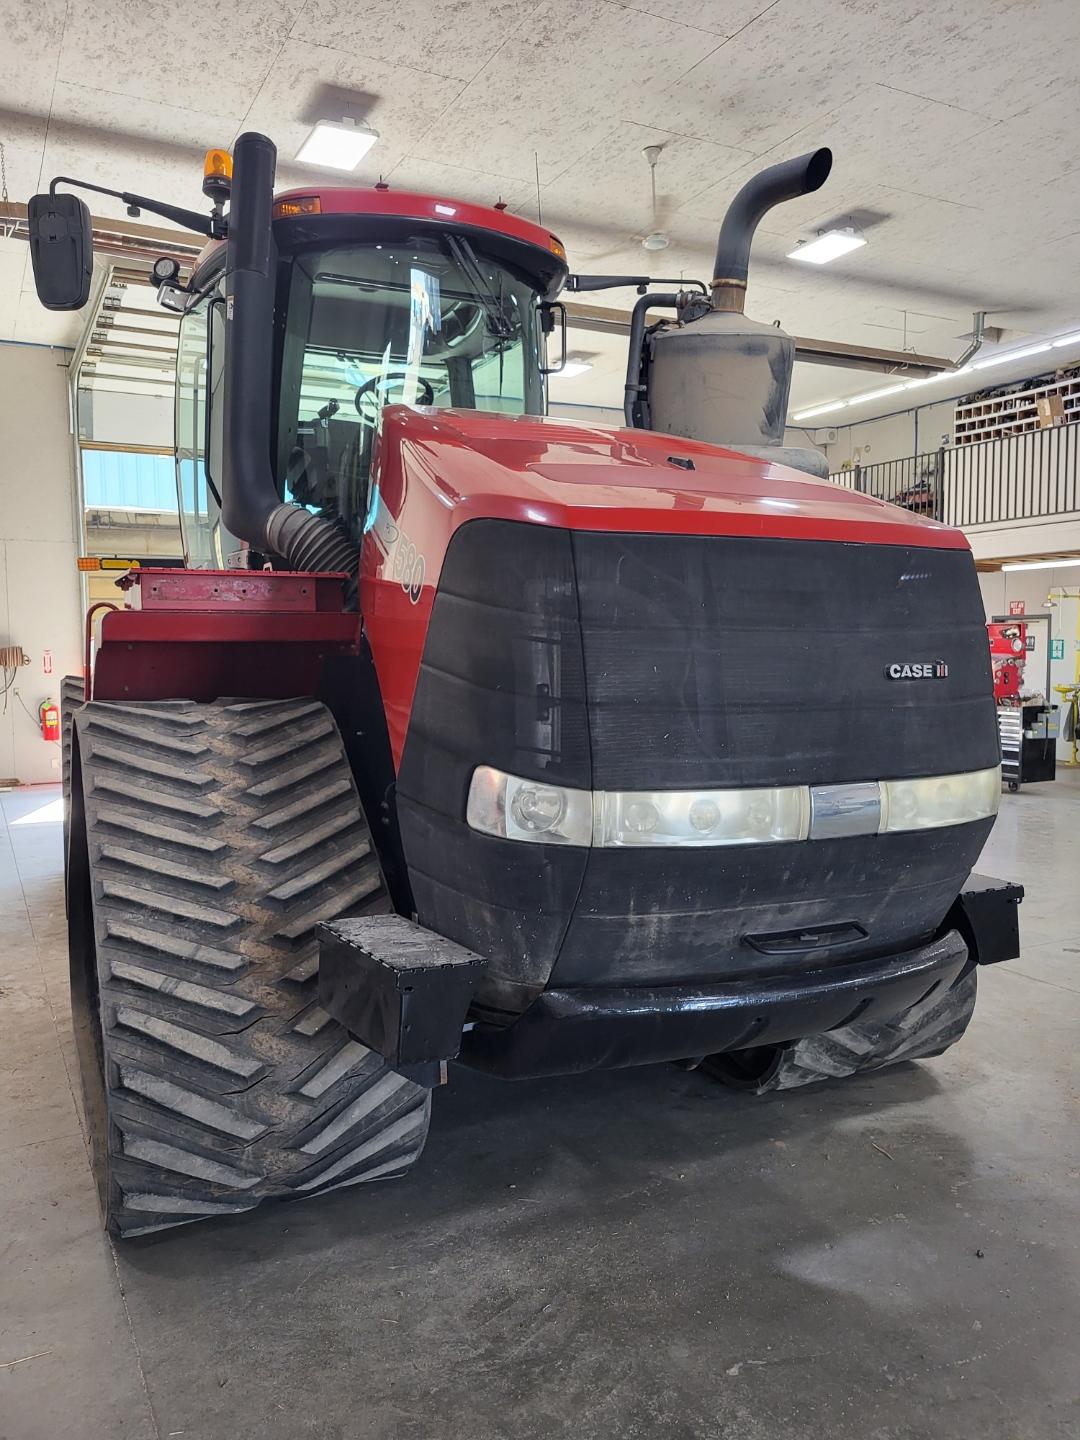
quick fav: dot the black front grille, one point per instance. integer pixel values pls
(614, 661)
(740, 661)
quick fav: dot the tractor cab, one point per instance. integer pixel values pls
(380, 297)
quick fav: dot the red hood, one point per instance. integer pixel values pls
(582, 477)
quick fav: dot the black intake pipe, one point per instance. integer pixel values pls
(781, 182)
(251, 507)
(636, 394)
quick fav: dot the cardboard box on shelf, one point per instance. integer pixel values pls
(1051, 411)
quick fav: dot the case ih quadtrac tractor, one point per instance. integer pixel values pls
(469, 733)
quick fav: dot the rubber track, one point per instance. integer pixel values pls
(218, 835)
(72, 695)
(928, 1028)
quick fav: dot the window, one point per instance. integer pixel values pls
(424, 320)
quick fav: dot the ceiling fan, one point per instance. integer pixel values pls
(655, 238)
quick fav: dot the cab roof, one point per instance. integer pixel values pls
(410, 205)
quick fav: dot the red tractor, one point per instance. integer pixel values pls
(469, 733)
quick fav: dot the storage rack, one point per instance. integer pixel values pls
(1013, 412)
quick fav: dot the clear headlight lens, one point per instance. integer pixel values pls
(701, 817)
(506, 805)
(518, 809)
(938, 800)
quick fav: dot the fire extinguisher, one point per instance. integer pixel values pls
(49, 716)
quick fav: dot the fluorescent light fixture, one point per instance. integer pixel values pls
(572, 368)
(828, 246)
(820, 410)
(876, 394)
(928, 379)
(1041, 565)
(337, 145)
(1067, 340)
(1004, 359)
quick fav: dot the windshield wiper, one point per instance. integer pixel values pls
(499, 322)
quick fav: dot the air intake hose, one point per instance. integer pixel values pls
(781, 182)
(251, 507)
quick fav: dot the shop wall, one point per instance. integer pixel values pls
(39, 591)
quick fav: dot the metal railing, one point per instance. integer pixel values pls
(914, 483)
(1021, 477)
(1018, 478)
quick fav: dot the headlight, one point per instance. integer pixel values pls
(548, 814)
(939, 800)
(701, 817)
(501, 804)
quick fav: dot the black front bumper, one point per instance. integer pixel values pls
(404, 991)
(606, 1027)
(588, 1028)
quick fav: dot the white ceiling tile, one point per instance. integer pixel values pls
(899, 141)
(613, 180)
(997, 57)
(558, 84)
(402, 105)
(503, 133)
(615, 56)
(30, 36)
(790, 66)
(445, 39)
(23, 137)
(719, 17)
(1032, 161)
(136, 49)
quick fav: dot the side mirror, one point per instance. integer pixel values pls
(61, 250)
(548, 311)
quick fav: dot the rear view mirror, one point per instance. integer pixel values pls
(61, 250)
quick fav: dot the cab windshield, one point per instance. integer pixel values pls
(425, 320)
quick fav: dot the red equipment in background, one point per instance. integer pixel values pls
(49, 718)
(1008, 652)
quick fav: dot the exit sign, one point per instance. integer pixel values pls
(1016, 607)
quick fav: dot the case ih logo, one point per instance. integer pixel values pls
(917, 670)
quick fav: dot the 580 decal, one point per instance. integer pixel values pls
(405, 561)
(407, 567)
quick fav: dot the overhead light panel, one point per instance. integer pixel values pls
(337, 144)
(830, 245)
(1067, 340)
(1041, 565)
(572, 368)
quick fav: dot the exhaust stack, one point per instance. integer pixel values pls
(713, 374)
(787, 181)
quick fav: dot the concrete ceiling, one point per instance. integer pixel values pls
(955, 127)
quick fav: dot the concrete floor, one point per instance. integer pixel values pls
(637, 1254)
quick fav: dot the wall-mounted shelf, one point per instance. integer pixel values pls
(995, 417)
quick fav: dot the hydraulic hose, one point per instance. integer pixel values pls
(785, 181)
(251, 506)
